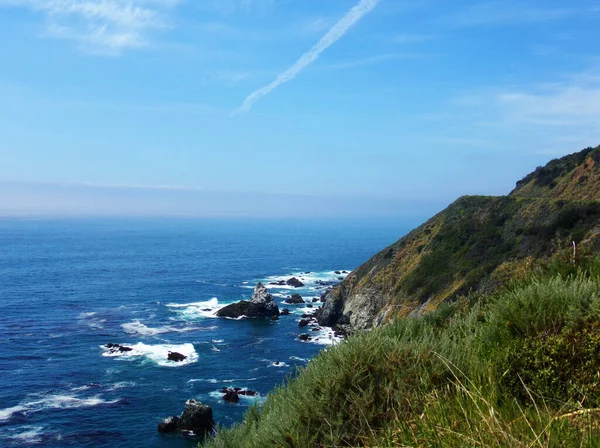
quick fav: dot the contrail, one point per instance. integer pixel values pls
(333, 35)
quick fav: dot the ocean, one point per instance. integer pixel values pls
(70, 286)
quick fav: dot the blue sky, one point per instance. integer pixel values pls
(386, 105)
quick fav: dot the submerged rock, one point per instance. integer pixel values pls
(262, 305)
(284, 312)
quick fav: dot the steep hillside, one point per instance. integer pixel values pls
(475, 244)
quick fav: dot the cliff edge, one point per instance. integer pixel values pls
(474, 245)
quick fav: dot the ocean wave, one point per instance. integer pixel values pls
(136, 327)
(158, 354)
(55, 401)
(278, 364)
(30, 436)
(197, 310)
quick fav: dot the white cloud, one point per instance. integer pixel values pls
(333, 35)
(101, 26)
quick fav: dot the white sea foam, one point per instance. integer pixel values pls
(156, 353)
(197, 310)
(32, 435)
(211, 380)
(136, 327)
(120, 385)
(297, 358)
(7, 413)
(278, 364)
(55, 401)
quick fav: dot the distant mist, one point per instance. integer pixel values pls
(51, 199)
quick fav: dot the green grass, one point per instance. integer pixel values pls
(518, 368)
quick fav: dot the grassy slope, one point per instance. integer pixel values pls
(518, 368)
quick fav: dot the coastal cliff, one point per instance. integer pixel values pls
(475, 244)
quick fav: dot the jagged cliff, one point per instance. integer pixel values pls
(474, 244)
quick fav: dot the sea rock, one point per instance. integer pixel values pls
(303, 323)
(337, 272)
(262, 305)
(232, 395)
(295, 299)
(315, 299)
(284, 312)
(117, 348)
(304, 337)
(196, 417)
(177, 357)
(294, 282)
(169, 424)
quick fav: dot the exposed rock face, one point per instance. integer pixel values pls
(296, 299)
(473, 244)
(196, 417)
(294, 282)
(262, 305)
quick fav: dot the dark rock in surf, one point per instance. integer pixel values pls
(114, 348)
(304, 337)
(177, 357)
(169, 424)
(284, 312)
(295, 299)
(196, 417)
(261, 305)
(294, 282)
(303, 323)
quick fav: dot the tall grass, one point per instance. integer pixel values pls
(470, 374)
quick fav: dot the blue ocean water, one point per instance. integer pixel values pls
(70, 286)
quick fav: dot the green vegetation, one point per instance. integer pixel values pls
(519, 367)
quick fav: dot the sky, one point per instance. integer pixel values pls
(287, 107)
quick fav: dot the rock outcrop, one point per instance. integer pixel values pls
(196, 417)
(177, 357)
(261, 305)
(474, 244)
(295, 299)
(294, 282)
